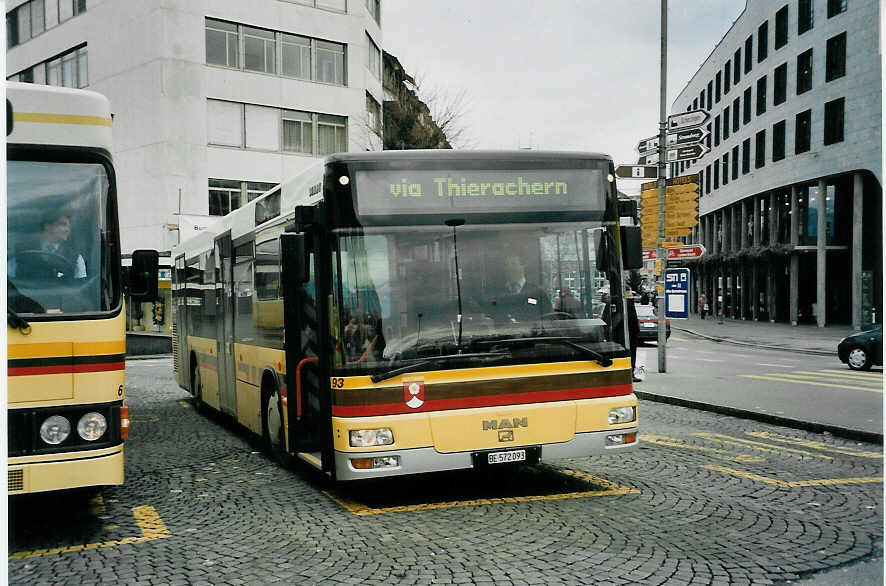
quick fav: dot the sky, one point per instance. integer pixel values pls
(553, 74)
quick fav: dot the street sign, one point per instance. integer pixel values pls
(647, 145)
(686, 251)
(650, 159)
(677, 293)
(637, 171)
(666, 244)
(681, 180)
(685, 153)
(686, 120)
(686, 137)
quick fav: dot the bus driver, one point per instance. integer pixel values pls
(49, 255)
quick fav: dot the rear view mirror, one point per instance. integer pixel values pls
(631, 247)
(143, 275)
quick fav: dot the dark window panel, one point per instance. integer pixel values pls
(781, 27)
(718, 85)
(748, 53)
(836, 7)
(716, 131)
(760, 150)
(736, 69)
(735, 162)
(746, 156)
(804, 72)
(780, 84)
(833, 121)
(761, 95)
(802, 132)
(716, 175)
(736, 113)
(725, 168)
(726, 122)
(778, 133)
(836, 57)
(762, 41)
(727, 77)
(805, 16)
(710, 95)
(747, 106)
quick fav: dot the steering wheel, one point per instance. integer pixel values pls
(44, 264)
(557, 315)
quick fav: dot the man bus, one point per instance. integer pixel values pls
(66, 341)
(389, 313)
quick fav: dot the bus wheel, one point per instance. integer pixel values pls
(197, 389)
(272, 430)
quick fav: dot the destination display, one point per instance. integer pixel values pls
(383, 192)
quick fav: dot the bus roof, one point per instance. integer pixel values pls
(461, 155)
(57, 116)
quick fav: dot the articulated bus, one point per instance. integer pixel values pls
(66, 421)
(423, 310)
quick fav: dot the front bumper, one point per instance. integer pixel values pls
(70, 470)
(421, 460)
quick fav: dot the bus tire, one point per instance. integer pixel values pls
(197, 387)
(273, 436)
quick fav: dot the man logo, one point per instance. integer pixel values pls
(506, 423)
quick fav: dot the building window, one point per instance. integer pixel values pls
(780, 84)
(708, 137)
(710, 94)
(805, 16)
(297, 132)
(221, 43)
(30, 19)
(331, 134)
(835, 7)
(330, 62)
(701, 99)
(746, 156)
(761, 95)
(735, 162)
(778, 132)
(804, 72)
(334, 5)
(373, 62)
(296, 56)
(259, 50)
(726, 123)
(747, 106)
(725, 168)
(763, 41)
(373, 114)
(694, 104)
(224, 196)
(736, 113)
(836, 57)
(736, 69)
(701, 182)
(69, 69)
(833, 121)
(262, 125)
(707, 179)
(760, 150)
(748, 54)
(802, 132)
(781, 27)
(716, 131)
(727, 77)
(716, 175)
(374, 9)
(224, 123)
(718, 83)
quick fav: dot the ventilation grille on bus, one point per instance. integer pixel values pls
(16, 480)
(174, 350)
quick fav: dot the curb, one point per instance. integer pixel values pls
(851, 434)
(763, 346)
(147, 356)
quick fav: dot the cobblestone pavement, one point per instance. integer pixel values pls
(708, 499)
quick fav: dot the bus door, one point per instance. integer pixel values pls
(224, 300)
(309, 406)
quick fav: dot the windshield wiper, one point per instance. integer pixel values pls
(16, 321)
(423, 364)
(565, 340)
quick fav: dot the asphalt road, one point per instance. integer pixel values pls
(789, 385)
(707, 499)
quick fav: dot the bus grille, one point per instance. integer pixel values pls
(174, 350)
(16, 480)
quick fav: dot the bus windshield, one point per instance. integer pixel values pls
(521, 290)
(59, 239)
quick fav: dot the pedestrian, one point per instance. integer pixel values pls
(702, 305)
(633, 331)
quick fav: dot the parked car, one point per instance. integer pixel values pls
(649, 324)
(862, 350)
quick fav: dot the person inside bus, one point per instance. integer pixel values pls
(49, 255)
(518, 299)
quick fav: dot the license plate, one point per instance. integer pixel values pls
(502, 457)
(648, 325)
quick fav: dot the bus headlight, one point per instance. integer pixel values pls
(92, 426)
(55, 429)
(622, 415)
(365, 438)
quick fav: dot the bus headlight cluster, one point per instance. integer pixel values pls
(622, 415)
(365, 438)
(55, 429)
(92, 426)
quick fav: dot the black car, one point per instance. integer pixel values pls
(862, 350)
(649, 324)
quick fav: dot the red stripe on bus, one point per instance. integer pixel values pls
(65, 369)
(487, 401)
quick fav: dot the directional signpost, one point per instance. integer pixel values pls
(687, 152)
(677, 293)
(637, 171)
(684, 252)
(687, 137)
(686, 120)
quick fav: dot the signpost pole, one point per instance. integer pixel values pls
(662, 162)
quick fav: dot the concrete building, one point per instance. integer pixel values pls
(791, 190)
(214, 101)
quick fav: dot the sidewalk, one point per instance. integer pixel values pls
(808, 339)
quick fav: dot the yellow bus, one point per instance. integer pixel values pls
(66, 341)
(409, 304)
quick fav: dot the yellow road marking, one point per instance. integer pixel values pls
(861, 373)
(737, 441)
(795, 483)
(678, 339)
(813, 444)
(186, 404)
(834, 377)
(150, 523)
(612, 489)
(785, 379)
(674, 443)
